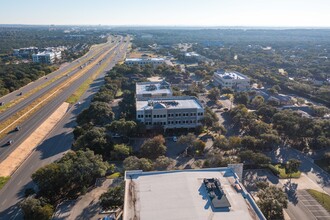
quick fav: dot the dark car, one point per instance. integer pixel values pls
(10, 142)
(2, 103)
(17, 128)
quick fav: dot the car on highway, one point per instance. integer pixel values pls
(10, 142)
(21, 93)
(17, 128)
(2, 103)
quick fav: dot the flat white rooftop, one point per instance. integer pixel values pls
(144, 59)
(180, 194)
(230, 75)
(159, 87)
(169, 103)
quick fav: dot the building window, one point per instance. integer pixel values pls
(164, 116)
(169, 115)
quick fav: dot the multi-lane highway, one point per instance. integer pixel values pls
(56, 143)
(37, 118)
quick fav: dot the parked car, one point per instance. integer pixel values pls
(2, 103)
(175, 139)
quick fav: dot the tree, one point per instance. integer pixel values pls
(257, 101)
(134, 163)
(249, 142)
(99, 113)
(36, 209)
(163, 163)
(95, 139)
(234, 142)
(221, 142)
(272, 201)
(113, 198)
(120, 152)
(214, 94)
(122, 127)
(241, 98)
(154, 147)
(70, 175)
(292, 166)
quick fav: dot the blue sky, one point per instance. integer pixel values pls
(168, 12)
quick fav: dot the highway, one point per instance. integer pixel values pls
(57, 142)
(37, 118)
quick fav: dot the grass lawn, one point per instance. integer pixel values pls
(113, 176)
(283, 174)
(3, 180)
(119, 93)
(323, 163)
(322, 198)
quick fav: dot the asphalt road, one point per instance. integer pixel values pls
(37, 118)
(52, 148)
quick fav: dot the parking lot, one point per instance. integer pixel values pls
(311, 205)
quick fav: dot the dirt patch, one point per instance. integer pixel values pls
(17, 157)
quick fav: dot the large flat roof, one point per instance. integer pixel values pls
(143, 59)
(181, 194)
(179, 102)
(230, 75)
(159, 87)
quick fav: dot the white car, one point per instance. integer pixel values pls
(175, 139)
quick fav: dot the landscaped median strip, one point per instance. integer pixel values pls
(24, 96)
(3, 180)
(85, 85)
(20, 116)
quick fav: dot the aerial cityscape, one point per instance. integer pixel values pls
(173, 110)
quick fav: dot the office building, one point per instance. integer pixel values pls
(156, 106)
(231, 79)
(145, 60)
(47, 57)
(213, 193)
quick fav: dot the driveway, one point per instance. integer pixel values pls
(86, 206)
(301, 205)
(314, 174)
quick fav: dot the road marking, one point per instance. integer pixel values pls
(19, 182)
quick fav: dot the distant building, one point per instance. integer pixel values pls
(192, 54)
(156, 106)
(25, 52)
(145, 60)
(46, 57)
(213, 193)
(231, 79)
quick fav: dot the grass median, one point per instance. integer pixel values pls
(24, 96)
(3, 180)
(20, 116)
(83, 87)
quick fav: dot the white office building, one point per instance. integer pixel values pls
(231, 79)
(46, 57)
(156, 106)
(199, 194)
(145, 61)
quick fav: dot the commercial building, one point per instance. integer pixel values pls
(25, 52)
(145, 60)
(47, 57)
(170, 113)
(214, 193)
(231, 79)
(156, 106)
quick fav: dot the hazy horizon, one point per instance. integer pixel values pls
(170, 13)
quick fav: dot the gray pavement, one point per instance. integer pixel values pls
(57, 142)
